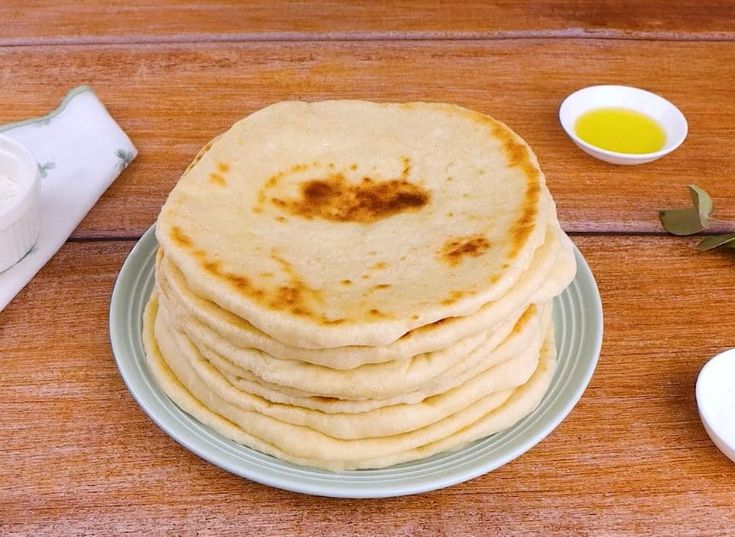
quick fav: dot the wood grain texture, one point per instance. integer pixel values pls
(79, 457)
(172, 99)
(48, 21)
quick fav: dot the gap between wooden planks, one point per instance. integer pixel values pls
(172, 99)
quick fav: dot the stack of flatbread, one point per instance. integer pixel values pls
(350, 285)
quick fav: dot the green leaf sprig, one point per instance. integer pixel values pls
(694, 219)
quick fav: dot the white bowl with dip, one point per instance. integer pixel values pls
(20, 221)
(668, 117)
(715, 393)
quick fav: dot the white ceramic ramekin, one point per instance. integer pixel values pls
(665, 113)
(20, 220)
(715, 394)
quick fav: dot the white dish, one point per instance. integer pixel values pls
(654, 106)
(20, 221)
(716, 401)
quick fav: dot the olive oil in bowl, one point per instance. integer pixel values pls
(621, 130)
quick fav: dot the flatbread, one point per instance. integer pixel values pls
(303, 445)
(385, 421)
(553, 268)
(373, 381)
(345, 223)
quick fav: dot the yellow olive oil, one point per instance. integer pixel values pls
(621, 130)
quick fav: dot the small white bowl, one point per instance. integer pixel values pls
(20, 221)
(666, 114)
(715, 393)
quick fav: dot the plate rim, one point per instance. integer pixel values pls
(125, 360)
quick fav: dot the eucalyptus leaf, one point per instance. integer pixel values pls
(718, 240)
(681, 221)
(702, 202)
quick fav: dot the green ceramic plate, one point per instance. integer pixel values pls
(578, 316)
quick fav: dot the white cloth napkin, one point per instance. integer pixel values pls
(80, 151)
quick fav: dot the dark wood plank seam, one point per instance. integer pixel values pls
(105, 238)
(267, 37)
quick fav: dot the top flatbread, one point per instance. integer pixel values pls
(351, 223)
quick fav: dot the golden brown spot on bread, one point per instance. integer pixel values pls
(378, 287)
(346, 282)
(516, 151)
(406, 171)
(217, 179)
(241, 283)
(326, 321)
(295, 296)
(285, 265)
(180, 238)
(494, 278)
(274, 179)
(376, 313)
(453, 297)
(214, 267)
(455, 250)
(301, 167)
(380, 265)
(288, 296)
(280, 219)
(270, 183)
(333, 197)
(518, 155)
(525, 318)
(223, 167)
(337, 200)
(524, 226)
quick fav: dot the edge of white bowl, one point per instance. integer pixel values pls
(630, 157)
(727, 449)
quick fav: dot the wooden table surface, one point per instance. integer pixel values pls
(78, 456)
